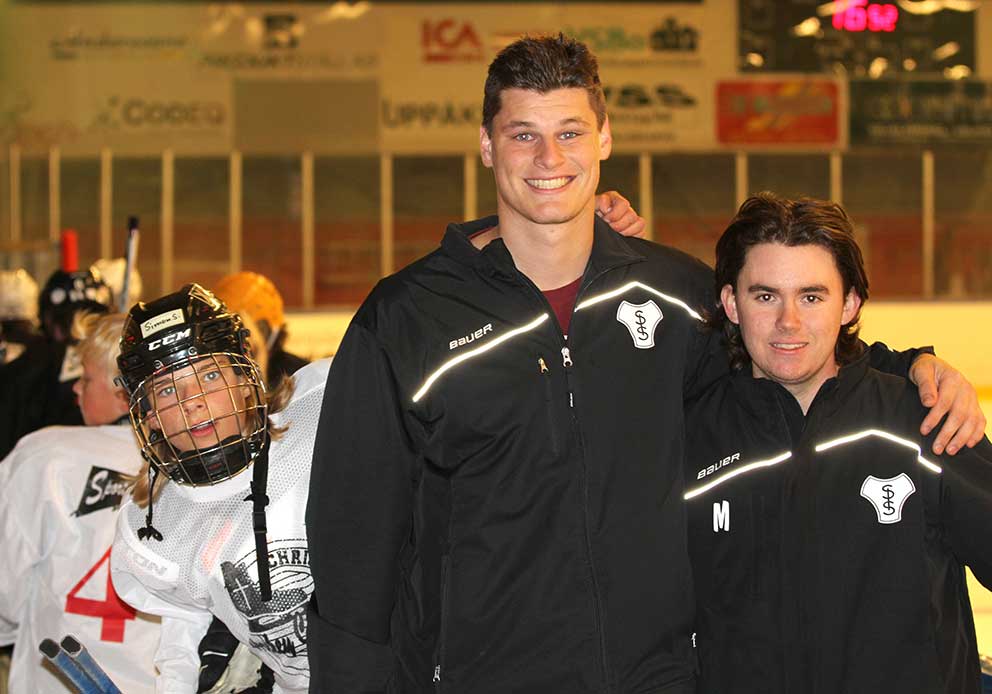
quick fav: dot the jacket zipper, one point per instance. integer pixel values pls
(442, 637)
(567, 362)
(566, 357)
(549, 404)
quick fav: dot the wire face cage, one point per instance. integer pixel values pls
(202, 419)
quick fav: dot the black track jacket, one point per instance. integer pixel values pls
(494, 510)
(827, 551)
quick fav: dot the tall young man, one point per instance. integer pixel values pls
(827, 540)
(495, 501)
(477, 523)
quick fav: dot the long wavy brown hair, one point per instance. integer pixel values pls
(768, 218)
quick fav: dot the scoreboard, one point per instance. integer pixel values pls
(855, 37)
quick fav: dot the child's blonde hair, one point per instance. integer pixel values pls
(99, 336)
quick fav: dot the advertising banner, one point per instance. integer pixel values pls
(797, 112)
(658, 65)
(203, 78)
(921, 112)
(143, 79)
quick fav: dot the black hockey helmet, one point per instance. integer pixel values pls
(64, 294)
(197, 398)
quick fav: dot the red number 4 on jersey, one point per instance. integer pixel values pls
(112, 610)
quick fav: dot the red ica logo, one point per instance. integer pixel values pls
(448, 41)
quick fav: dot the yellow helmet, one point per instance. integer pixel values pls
(253, 294)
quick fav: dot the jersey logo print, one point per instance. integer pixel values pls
(103, 489)
(887, 496)
(721, 516)
(471, 337)
(706, 471)
(641, 321)
(279, 625)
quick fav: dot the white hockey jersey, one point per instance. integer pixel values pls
(205, 563)
(60, 489)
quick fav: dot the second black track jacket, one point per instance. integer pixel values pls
(828, 550)
(494, 509)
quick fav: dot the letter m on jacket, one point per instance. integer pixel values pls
(721, 516)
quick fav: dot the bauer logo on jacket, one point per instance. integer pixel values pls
(641, 321)
(103, 489)
(888, 496)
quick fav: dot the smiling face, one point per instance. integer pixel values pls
(544, 151)
(790, 305)
(200, 405)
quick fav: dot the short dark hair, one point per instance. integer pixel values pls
(543, 64)
(767, 218)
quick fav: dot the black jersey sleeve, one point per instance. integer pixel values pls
(966, 507)
(890, 361)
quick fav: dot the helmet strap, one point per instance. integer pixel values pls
(259, 500)
(149, 531)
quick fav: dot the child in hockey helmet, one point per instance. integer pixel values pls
(197, 399)
(198, 403)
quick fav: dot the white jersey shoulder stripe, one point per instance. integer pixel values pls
(850, 438)
(492, 344)
(735, 472)
(606, 296)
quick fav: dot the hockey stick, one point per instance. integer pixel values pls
(130, 259)
(68, 667)
(78, 653)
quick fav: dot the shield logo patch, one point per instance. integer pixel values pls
(887, 496)
(641, 321)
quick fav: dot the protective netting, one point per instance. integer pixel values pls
(201, 420)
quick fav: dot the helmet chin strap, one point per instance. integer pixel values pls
(150, 531)
(226, 457)
(259, 500)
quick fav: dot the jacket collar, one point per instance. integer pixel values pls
(760, 394)
(609, 249)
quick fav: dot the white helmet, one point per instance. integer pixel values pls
(18, 296)
(112, 272)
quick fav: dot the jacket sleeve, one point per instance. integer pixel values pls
(966, 507)
(706, 356)
(183, 624)
(706, 362)
(889, 361)
(358, 518)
